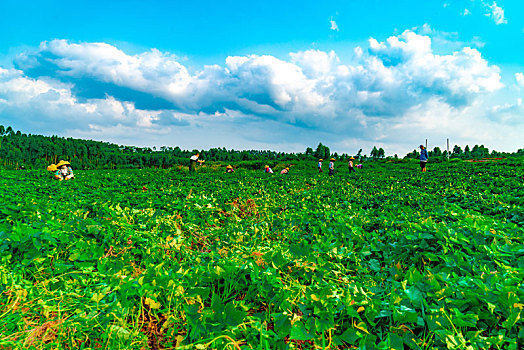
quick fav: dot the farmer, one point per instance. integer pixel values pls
(331, 166)
(350, 165)
(423, 158)
(284, 171)
(193, 162)
(320, 165)
(268, 170)
(229, 169)
(64, 171)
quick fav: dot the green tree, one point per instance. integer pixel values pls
(309, 151)
(322, 151)
(359, 155)
(374, 153)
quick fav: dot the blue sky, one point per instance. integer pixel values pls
(266, 74)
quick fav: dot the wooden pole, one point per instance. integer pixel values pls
(426, 143)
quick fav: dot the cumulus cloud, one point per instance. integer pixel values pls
(99, 87)
(50, 105)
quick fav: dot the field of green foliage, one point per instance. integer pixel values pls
(387, 258)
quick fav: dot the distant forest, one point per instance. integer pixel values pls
(19, 150)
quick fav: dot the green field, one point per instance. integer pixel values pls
(388, 258)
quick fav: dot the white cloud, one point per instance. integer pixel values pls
(496, 13)
(96, 88)
(52, 105)
(315, 63)
(334, 25)
(519, 77)
(472, 125)
(490, 9)
(509, 114)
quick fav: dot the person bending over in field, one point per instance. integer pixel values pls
(229, 169)
(423, 158)
(331, 166)
(284, 171)
(64, 171)
(320, 165)
(268, 170)
(193, 162)
(350, 165)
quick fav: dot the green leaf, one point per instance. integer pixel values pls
(415, 296)
(97, 297)
(405, 315)
(233, 316)
(350, 336)
(299, 332)
(511, 320)
(282, 324)
(395, 342)
(120, 332)
(216, 304)
(74, 256)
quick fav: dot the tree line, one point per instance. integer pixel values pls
(19, 150)
(476, 152)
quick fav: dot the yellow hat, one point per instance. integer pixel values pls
(267, 166)
(62, 162)
(332, 159)
(287, 168)
(351, 158)
(320, 159)
(52, 167)
(229, 167)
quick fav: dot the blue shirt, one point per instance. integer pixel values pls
(424, 155)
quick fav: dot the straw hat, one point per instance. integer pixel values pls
(62, 162)
(52, 167)
(332, 159)
(229, 167)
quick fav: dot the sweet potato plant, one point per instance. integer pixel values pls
(387, 258)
